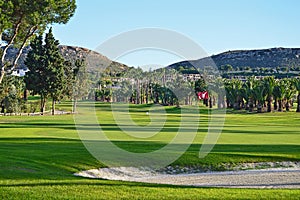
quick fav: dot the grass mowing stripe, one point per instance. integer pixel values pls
(39, 154)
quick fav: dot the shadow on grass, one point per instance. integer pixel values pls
(259, 131)
(59, 158)
(93, 182)
(67, 126)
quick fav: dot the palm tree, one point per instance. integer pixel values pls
(218, 87)
(289, 93)
(260, 95)
(269, 84)
(230, 93)
(137, 75)
(239, 99)
(247, 93)
(279, 93)
(296, 83)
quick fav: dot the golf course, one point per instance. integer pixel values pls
(159, 100)
(40, 154)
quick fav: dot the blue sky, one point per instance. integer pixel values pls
(216, 25)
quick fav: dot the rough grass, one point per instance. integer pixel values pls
(39, 154)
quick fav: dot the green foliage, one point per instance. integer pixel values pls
(54, 67)
(104, 91)
(12, 102)
(296, 83)
(20, 20)
(77, 81)
(256, 92)
(200, 85)
(234, 93)
(46, 66)
(11, 92)
(226, 68)
(35, 61)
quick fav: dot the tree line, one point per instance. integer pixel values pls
(255, 94)
(266, 94)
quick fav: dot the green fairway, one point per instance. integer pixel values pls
(39, 154)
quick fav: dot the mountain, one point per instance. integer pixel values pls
(96, 62)
(262, 58)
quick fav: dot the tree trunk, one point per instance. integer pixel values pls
(25, 95)
(53, 107)
(3, 65)
(2, 106)
(210, 102)
(220, 102)
(74, 106)
(2, 74)
(259, 107)
(247, 105)
(250, 105)
(30, 33)
(243, 104)
(156, 98)
(236, 106)
(177, 104)
(147, 93)
(298, 103)
(138, 92)
(275, 104)
(205, 102)
(229, 104)
(287, 106)
(43, 101)
(269, 105)
(280, 106)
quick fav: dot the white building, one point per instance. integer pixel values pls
(19, 72)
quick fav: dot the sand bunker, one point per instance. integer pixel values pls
(279, 177)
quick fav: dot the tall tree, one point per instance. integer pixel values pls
(80, 82)
(247, 93)
(35, 79)
(230, 94)
(279, 93)
(218, 87)
(54, 64)
(20, 20)
(46, 66)
(234, 93)
(289, 93)
(269, 84)
(296, 83)
(260, 94)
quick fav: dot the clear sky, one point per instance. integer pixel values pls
(216, 25)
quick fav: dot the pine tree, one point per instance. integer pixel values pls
(54, 64)
(35, 78)
(47, 70)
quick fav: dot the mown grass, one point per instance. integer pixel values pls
(39, 154)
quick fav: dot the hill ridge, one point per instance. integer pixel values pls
(269, 58)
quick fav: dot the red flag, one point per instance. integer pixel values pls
(202, 95)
